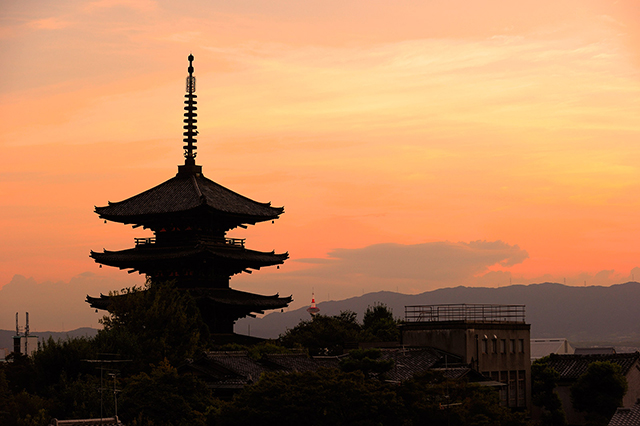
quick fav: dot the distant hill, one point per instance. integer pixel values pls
(6, 336)
(581, 314)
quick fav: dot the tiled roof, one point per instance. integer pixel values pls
(230, 369)
(626, 416)
(231, 297)
(186, 192)
(239, 363)
(106, 421)
(571, 367)
(222, 296)
(300, 362)
(409, 362)
(149, 255)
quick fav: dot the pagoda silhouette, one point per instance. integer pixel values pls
(190, 216)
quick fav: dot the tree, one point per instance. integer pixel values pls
(322, 397)
(599, 391)
(324, 335)
(544, 379)
(431, 399)
(57, 357)
(150, 324)
(164, 398)
(368, 361)
(379, 325)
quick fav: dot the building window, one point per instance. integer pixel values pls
(521, 389)
(512, 389)
(494, 346)
(503, 346)
(504, 378)
(484, 346)
(521, 346)
(512, 346)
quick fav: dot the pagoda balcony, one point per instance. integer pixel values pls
(144, 241)
(235, 242)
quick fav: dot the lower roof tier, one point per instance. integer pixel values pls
(225, 299)
(150, 259)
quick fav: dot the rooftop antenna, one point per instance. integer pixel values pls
(26, 336)
(17, 326)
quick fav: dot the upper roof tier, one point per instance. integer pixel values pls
(188, 193)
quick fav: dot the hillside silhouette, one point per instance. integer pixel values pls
(581, 314)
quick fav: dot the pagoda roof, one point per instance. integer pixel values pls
(188, 191)
(239, 299)
(149, 255)
(223, 297)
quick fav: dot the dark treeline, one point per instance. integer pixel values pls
(149, 334)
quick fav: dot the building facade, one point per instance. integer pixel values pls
(492, 339)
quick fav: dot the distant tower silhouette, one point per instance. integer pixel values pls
(313, 309)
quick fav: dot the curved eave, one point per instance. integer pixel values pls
(156, 219)
(185, 193)
(235, 300)
(146, 259)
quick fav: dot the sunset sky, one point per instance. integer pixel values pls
(414, 144)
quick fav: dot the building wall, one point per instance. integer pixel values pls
(30, 341)
(563, 389)
(633, 380)
(501, 351)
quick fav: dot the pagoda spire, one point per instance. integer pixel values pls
(190, 119)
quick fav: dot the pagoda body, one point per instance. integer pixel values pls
(190, 216)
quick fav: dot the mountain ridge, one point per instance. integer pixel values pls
(594, 313)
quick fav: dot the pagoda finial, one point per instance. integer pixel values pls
(190, 115)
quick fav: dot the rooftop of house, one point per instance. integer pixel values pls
(626, 416)
(235, 369)
(573, 366)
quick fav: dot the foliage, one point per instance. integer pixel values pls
(330, 396)
(431, 399)
(324, 335)
(164, 398)
(20, 373)
(63, 357)
(324, 397)
(368, 361)
(150, 324)
(21, 408)
(379, 325)
(79, 398)
(544, 379)
(599, 391)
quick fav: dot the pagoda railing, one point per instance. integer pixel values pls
(145, 241)
(236, 242)
(465, 312)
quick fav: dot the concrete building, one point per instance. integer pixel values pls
(492, 339)
(544, 347)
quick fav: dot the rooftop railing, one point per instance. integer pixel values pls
(464, 312)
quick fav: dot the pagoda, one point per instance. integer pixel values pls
(190, 216)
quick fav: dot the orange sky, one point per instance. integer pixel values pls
(484, 141)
